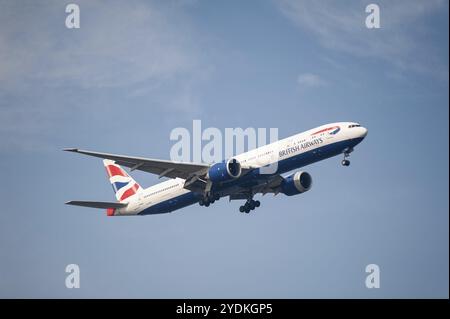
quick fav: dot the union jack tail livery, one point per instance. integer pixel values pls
(124, 185)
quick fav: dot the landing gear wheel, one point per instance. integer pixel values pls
(249, 205)
(345, 162)
(208, 199)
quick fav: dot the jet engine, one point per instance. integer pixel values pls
(296, 183)
(225, 171)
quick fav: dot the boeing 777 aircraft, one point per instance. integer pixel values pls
(240, 178)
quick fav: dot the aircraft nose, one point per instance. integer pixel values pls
(364, 132)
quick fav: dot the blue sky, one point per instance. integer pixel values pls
(136, 70)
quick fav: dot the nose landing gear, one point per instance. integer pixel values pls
(249, 205)
(345, 161)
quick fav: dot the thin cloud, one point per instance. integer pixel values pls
(144, 50)
(402, 39)
(117, 45)
(310, 80)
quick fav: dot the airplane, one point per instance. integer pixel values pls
(257, 171)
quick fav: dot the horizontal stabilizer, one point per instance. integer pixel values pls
(92, 204)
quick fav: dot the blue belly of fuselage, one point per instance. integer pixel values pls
(255, 177)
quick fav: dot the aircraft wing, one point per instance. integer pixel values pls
(273, 186)
(270, 185)
(154, 166)
(92, 204)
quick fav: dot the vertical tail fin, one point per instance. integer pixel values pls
(123, 184)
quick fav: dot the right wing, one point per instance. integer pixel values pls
(92, 204)
(159, 167)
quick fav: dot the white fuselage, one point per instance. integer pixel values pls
(260, 157)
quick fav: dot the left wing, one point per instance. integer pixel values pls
(154, 166)
(270, 185)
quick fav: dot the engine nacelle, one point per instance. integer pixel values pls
(225, 171)
(296, 183)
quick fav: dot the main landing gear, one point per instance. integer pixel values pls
(249, 205)
(345, 161)
(209, 199)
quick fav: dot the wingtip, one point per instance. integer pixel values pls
(70, 150)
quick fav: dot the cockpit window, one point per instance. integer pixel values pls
(354, 125)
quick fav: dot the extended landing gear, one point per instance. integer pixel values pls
(345, 161)
(249, 205)
(209, 199)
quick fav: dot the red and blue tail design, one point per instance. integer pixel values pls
(124, 185)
